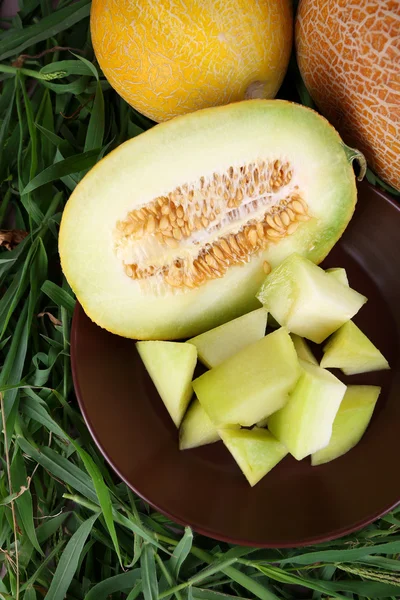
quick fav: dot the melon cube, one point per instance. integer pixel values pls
(304, 424)
(351, 421)
(349, 349)
(216, 345)
(196, 429)
(340, 274)
(303, 349)
(255, 450)
(251, 384)
(308, 301)
(170, 366)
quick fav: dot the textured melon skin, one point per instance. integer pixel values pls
(168, 58)
(348, 54)
(154, 163)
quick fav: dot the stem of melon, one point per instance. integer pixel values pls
(354, 154)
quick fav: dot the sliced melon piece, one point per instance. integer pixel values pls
(340, 274)
(255, 450)
(170, 366)
(308, 301)
(349, 349)
(251, 384)
(196, 429)
(351, 421)
(304, 425)
(169, 235)
(303, 349)
(218, 344)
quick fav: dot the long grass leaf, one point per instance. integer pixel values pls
(149, 573)
(119, 583)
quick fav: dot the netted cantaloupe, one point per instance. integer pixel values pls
(171, 234)
(349, 58)
(169, 58)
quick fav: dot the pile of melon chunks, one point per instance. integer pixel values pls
(265, 395)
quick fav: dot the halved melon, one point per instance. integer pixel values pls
(255, 450)
(303, 349)
(308, 301)
(351, 421)
(218, 344)
(196, 429)
(170, 366)
(305, 423)
(350, 349)
(169, 235)
(251, 384)
(339, 273)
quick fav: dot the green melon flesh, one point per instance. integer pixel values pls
(251, 384)
(351, 421)
(255, 450)
(196, 429)
(303, 349)
(304, 425)
(349, 349)
(180, 153)
(216, 345)
(170, 366)
(340, 274)
(308, 301)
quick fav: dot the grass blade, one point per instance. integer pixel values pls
(149, 573)
(59, 296)
(181, 552)
(119, 583)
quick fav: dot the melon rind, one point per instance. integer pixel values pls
(218, 344)
(251, 384)
(351, 421)
(184, 149)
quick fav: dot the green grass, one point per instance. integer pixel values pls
(68, 528)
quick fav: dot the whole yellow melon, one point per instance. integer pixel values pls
(170, 57)
(349, 57)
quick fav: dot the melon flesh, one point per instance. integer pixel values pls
(255, 450)
(170, 366)
(340, 274)
(350, 350)
(196, 429)
(308, 301)
(177, 226)
(303, 349)
(218, 344)
(251, 384)
(351, 421)
(304, 425)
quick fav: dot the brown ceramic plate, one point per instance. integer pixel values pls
(295, 504)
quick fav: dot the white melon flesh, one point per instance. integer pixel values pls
(351, 421)
(255, 450)
(170, 366)
(350, 350)
(340, 274)
(218, 344)
(251, 384)
(303, 349)
(308, 301)
(196, 428)
(304, 425)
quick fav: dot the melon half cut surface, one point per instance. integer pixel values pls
(251, 384)
(305, 423)
(308, 301)
(218, 344)
(179, 225)
(170, 366)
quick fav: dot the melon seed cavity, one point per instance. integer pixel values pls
(197, 231)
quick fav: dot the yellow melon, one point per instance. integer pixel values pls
(170, 57)
(349, 58)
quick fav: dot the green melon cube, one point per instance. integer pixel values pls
(340, 274)
(170, 366)
(303, 349)
(308, 301)
(196, 429)
(255, 450)
(304, 424)
(351, 421)
(251, 384)
(349, 349)
(216, 345)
